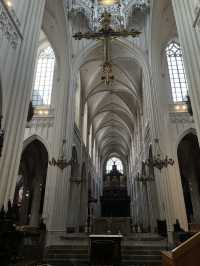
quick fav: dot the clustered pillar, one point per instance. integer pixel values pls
(189, 37)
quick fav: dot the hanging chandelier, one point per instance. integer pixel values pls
(158, 161)
(144, 177)
(62, 162)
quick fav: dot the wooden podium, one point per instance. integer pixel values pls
(105, 250)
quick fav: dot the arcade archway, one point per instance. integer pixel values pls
(189, 164)
(30, 188)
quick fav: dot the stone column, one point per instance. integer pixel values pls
(56, 201)
(144, 207)
(23, 210)
(153, 204)
(35, 210)
(83, 203)
(17, 69)
(158, 121)
(140, 203)
(57, 197)
(74, 205)
(189, 38)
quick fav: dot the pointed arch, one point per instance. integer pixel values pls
(31, 183)
(179, 87)
(43, 83)
(30, 139)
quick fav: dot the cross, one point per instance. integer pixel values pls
(106, 33)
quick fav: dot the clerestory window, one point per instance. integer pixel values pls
(44, 78)
(176, 72)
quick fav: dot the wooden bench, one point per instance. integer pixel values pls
(187, 254)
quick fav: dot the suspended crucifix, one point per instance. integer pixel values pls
(106, 33)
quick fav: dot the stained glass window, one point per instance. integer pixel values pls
(176, 72)
(44, 78)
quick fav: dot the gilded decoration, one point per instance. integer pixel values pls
(9, 26)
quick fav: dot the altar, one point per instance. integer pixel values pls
(115, 201)
(105, 250)
(112, 225)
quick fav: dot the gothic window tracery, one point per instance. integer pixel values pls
(115, 161)
(44, 78)
(176, 72)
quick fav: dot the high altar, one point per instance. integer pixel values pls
(105, 250)
(115, 205)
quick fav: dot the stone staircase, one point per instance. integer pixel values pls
(67, 255)
(137, 250)
(143, 250)
(141, 256)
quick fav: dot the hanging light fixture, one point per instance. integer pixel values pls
(143, 177)
(159, 161)
(62, 162)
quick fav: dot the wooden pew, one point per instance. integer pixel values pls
(187, 254)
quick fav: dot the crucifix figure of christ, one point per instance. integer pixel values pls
(106, 33)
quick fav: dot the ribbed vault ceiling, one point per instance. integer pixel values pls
(112, 109)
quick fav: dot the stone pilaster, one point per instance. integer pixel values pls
(158, 119)
(189, 37)
(17, 69)
(35, 209)
(58, 181)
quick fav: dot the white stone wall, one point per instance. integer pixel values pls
(17, 59)
(160, 121)
(154, 118)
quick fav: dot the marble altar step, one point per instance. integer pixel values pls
(144, 237)
(137, 250)
(142, 254)
(67, 255)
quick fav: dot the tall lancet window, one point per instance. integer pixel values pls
(44, 78)
(176, 72)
